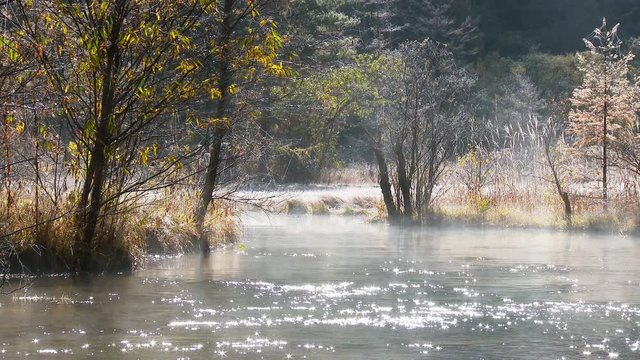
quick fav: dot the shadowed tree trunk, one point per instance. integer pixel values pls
(385, 184)
(568, 212)
(220, 130)
(211, 179)
(404, 183)
(90, 202)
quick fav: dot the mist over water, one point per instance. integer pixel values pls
(339, 288)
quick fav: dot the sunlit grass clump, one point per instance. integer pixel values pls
(333, 205)
(526, 209)
(168, 226)
(162, 225)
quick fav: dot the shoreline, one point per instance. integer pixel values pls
(167, 234)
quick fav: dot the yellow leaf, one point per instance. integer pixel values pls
(20, 127)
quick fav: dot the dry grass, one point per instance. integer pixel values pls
(163, 225)
(537, 215)
(320, 208)
(55, 234)
(167, 224)
(333, 205)
(296, 207)
(520, 193)
(516, 192)
(543, 211)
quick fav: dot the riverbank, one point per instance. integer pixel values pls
(162, 225)
(165, 225)
(529, 212)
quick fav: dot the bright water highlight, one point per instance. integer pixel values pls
(339, 288)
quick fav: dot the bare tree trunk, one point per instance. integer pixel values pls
(89, 208)
(7, 158)
(568, 212)
(404, 183)
(385, 184)
(563, 194)
(211, 178)
(605, 195)
(36, 168)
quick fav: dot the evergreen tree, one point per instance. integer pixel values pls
(444, 21)
(604, 105)
(320, 32)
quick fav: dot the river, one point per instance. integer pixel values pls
(340, 288)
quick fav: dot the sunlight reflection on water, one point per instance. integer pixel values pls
(325, 288)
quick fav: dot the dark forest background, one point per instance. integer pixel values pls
(513, 28)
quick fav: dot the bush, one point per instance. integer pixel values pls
(296, 207)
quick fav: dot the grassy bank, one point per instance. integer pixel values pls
(502, 195)
(539, 218)
(334, 205)
(452, 213)
(43, 241)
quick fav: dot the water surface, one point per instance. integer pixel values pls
(339, 288)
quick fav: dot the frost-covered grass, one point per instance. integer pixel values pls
(516, 193)
(369, 206)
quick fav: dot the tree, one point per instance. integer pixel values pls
(521, 102)
(297, 115)
(16, 98)
(552, 138)
(514, 28)
(606, 101)
(444, 21)
(627, 150)
(420, 124)
(318, 109)
(246, 44)
(115, 69)
(116, 72)
(321, 32)
(6, 251)
(555, 76)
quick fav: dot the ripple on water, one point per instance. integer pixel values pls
(386, 302)
(410, 305)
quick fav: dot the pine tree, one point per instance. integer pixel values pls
(438, 20)
(320, 32)
(603, 106)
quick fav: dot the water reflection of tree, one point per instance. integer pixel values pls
(5, 250)
(8, 256)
